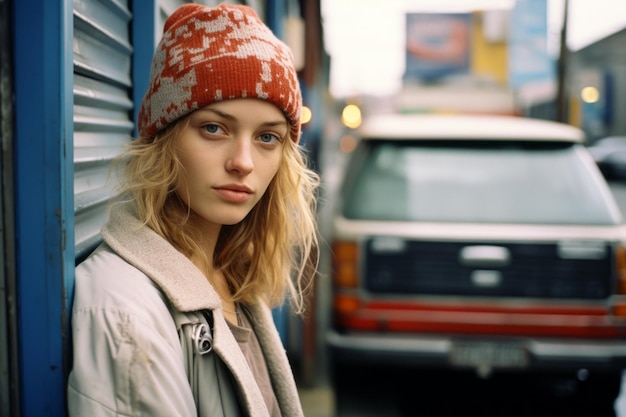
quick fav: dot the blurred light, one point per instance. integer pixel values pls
(347, 143)
(590, 94)
(351, 116)
(305, 115)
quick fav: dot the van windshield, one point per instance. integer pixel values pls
(483, 181)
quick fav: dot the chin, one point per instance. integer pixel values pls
(231, 223)
(227, 217)
(231, 218)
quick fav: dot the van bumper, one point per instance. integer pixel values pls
(489, 353)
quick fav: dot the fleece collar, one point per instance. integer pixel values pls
(181, 281)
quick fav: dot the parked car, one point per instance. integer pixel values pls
(609, 153)
(485, 243)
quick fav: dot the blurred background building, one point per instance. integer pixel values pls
(527, 57)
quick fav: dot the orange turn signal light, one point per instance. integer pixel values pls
(620, 264)
(345, 259)
(345, 304)
(619, 310)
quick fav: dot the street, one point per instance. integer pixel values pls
(405, 392)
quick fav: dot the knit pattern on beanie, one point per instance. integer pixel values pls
(209, 54)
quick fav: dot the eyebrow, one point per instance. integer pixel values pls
(228, 116)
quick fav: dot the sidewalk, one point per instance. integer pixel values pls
(317, 401)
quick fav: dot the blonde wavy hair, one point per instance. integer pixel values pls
(272, 253)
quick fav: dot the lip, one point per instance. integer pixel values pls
(234, 193)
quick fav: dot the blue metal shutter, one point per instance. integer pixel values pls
(102, 54)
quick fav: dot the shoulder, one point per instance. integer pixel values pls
(106, 281)
(115, 299)
(123, 331)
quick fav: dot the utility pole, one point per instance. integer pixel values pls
(562, 99)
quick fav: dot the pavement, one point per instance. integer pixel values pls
(317, 401)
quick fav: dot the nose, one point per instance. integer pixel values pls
(240, 159)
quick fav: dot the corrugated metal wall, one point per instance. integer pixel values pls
(102, 109)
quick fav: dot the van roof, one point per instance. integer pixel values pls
(472, 127)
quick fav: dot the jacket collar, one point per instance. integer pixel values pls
(181, 281)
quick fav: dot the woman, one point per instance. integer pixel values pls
(216, 215)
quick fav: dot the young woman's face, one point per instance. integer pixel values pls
(230, 152)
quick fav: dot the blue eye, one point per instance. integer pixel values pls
(212, 128)
(269, 138)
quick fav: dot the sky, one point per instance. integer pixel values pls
(365, 38)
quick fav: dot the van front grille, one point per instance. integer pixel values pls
(532, 270)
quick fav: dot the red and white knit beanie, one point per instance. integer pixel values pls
(209, 54)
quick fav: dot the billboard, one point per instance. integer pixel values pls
(437, 46)
(529, 61)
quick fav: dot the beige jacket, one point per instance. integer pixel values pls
(132, 295)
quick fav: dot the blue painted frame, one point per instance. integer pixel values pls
(276, 10)
(44, 206)
(144, 44)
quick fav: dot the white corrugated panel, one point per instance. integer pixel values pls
(102, 109)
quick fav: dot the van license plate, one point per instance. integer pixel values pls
(491, 354)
